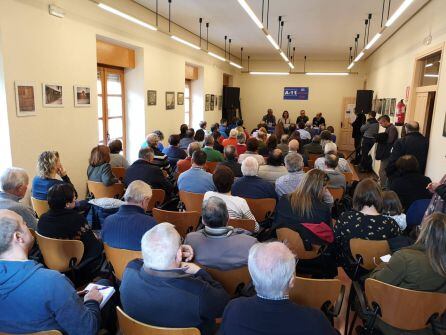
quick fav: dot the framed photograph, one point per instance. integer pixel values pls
(25, 98)
(170, 100)
(378, 106)
(444, 127)
(52, 95)
(207, 105)
(212, 102)
(383, 106)
(82, 96)
(220, 102)
(180, 98)
(392, 107)
(151, 98)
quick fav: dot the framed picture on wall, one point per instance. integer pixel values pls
(220, 102)
(444, 127)
(378, 106)
(212, 102)
(52, 95)
(25, 98)
(207, 104)
(383, 106)
(392, 107)
(82, 96)
(180, 98)
(170, 100)
(151, 98)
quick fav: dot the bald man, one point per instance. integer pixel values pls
(274, 168)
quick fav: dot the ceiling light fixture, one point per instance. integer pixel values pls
(291, 65)
(429, 65)
(373, 41)
(351, 65)
(251, 14)
(359, 56)
(273, 43)
(398, 12)
(216, 56)
(285, 58)
(432, 75)
(126, 16)
(189, 44)
(235, 65)
(327, 73)
(269, 73)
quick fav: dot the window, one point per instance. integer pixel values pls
(431, 69)
(187, 103)
(111, 102)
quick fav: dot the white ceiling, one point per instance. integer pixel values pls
(320, 29)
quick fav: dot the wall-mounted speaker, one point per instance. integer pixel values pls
(231, 102)
(364, 101)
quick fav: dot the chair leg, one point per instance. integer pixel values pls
(352, 324)
(351, 296)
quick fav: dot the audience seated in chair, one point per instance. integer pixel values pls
(272, 268)
(34, 298)
(336, 179)
(199, 136)
(304, 134)
(125, 228)
(163, 291)
(211, 154)
(230, 161)
(314, 147)
(241, 143)
(13, 184)
(196, 179)
(217, 245)
(188, 139)
(251, 185)
(116, 159)
(283, 145)
(438, 201)
(185, 164)
(294, 164)
(159, 159)
(232, 139)
(393, 208)
(252, 145)
(99, 168)
(173, 152)
(274, 167)
(332, 148)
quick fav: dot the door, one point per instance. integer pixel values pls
(346, 142)
(420, 113)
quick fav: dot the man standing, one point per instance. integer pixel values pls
(385, 143)
(270, 120)
(357, 135)
(318, 120)
(369, 131)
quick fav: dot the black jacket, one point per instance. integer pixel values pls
(359, 121)
(234, 166)
(410, 187)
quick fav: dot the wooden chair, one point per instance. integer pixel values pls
(184, 222)
(119, 258)
(246, 224)
(130, 326)
(157, 199)
(231, 280)
(46, 332)
(261, 208)
(311, 163)
(211, 166)
(313, 157)
(192, 201)
(306, 169)
(367, 253)
(40, 206)
(294, 242)
(60, 255)
(336, 193)
(33, 233)
(119, 172)
(348, 177)
(99, 190)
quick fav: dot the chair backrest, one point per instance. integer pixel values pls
(40, 206)
(119, 172)
(157, 199)
(306, 169)
(294, 242)
(230, 279)
(58, 254)
(211, 166)
(184, 222)
(348, 177)
(119, 258)
(336, 193)
(33, 233)
(45, 332)
(130, 326)
(315, 293)
(246, 224)
(311, 163)
(313, 157)
(99, 190)
(369, 251)
(192, 201)
(261, 208)
(402, 308)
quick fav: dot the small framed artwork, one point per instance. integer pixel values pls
(207, 105)
(378, 106)
(52, 95)
(170, 100)
(212, 102)
(82, 96)
(383, 106)
(180, 98)
(220, 102)
(388, 106)
(25, 98)
(151, 98)
(392, 107)
(444, 127)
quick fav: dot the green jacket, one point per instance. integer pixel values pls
(213, 155)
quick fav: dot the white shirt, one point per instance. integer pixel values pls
(258, 157)
(343, 165)
(304, 135)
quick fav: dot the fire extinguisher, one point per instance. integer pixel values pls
(400, 113)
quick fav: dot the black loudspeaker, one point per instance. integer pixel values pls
(364, 101)
(231, 102)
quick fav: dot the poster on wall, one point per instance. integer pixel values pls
(170, 100)
(392, 107)
(212, 102)
(388, 103)
(295, 93)
(25, 98)
(151, 98)
(207, 104)
(378, 106)
(82, 96)
(180, 98)
(52, 95)
(383, 106)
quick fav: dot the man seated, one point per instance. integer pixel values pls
(173, 152)
(283, 145)
(143, 169)
(163, 291)
(274, 167)
(288, 183)
(125, 228)
(314, 147)
(196, 179)
(185, 164)
(250, 185)
(217, 245)
(332, 148)
(212, 154)
(33, 298)
(231, 161)
(294, 146)
(304, 134)
(159, 159)
(188, 139)
(272, 268)
(252, 146)
(14, 183)
(336, 179)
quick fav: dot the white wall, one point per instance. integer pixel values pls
(390, 70)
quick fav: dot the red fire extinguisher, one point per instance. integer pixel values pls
(400, 113)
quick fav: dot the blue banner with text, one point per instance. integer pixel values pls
(295, 93)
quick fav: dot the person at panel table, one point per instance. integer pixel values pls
(318, 120)
(285, 119)
(270, 120)
(302, 117)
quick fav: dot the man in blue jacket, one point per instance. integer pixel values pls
(33, 298)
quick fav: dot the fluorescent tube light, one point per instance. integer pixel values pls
(285, 58)
(126, 16)
(236, 65)
(326, 73)
(359, 56)
(372, 41)
(429, 65)
(216, 56)
(398, 12)
(189, 44)
(432, 75)
(250, 13)
(291, 65)
(270, 73)
(271, 40)
(351, 65)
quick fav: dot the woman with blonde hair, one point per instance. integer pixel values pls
(99, 168)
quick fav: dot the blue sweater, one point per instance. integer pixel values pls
(40, 186)
(125, 228)
(34, 299)
(196, 180)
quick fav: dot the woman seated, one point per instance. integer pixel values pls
(117, 160)
(232, 139)
(49, 168)
(63, 222)
(99, 168)
(238, 208)
(365, 221)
